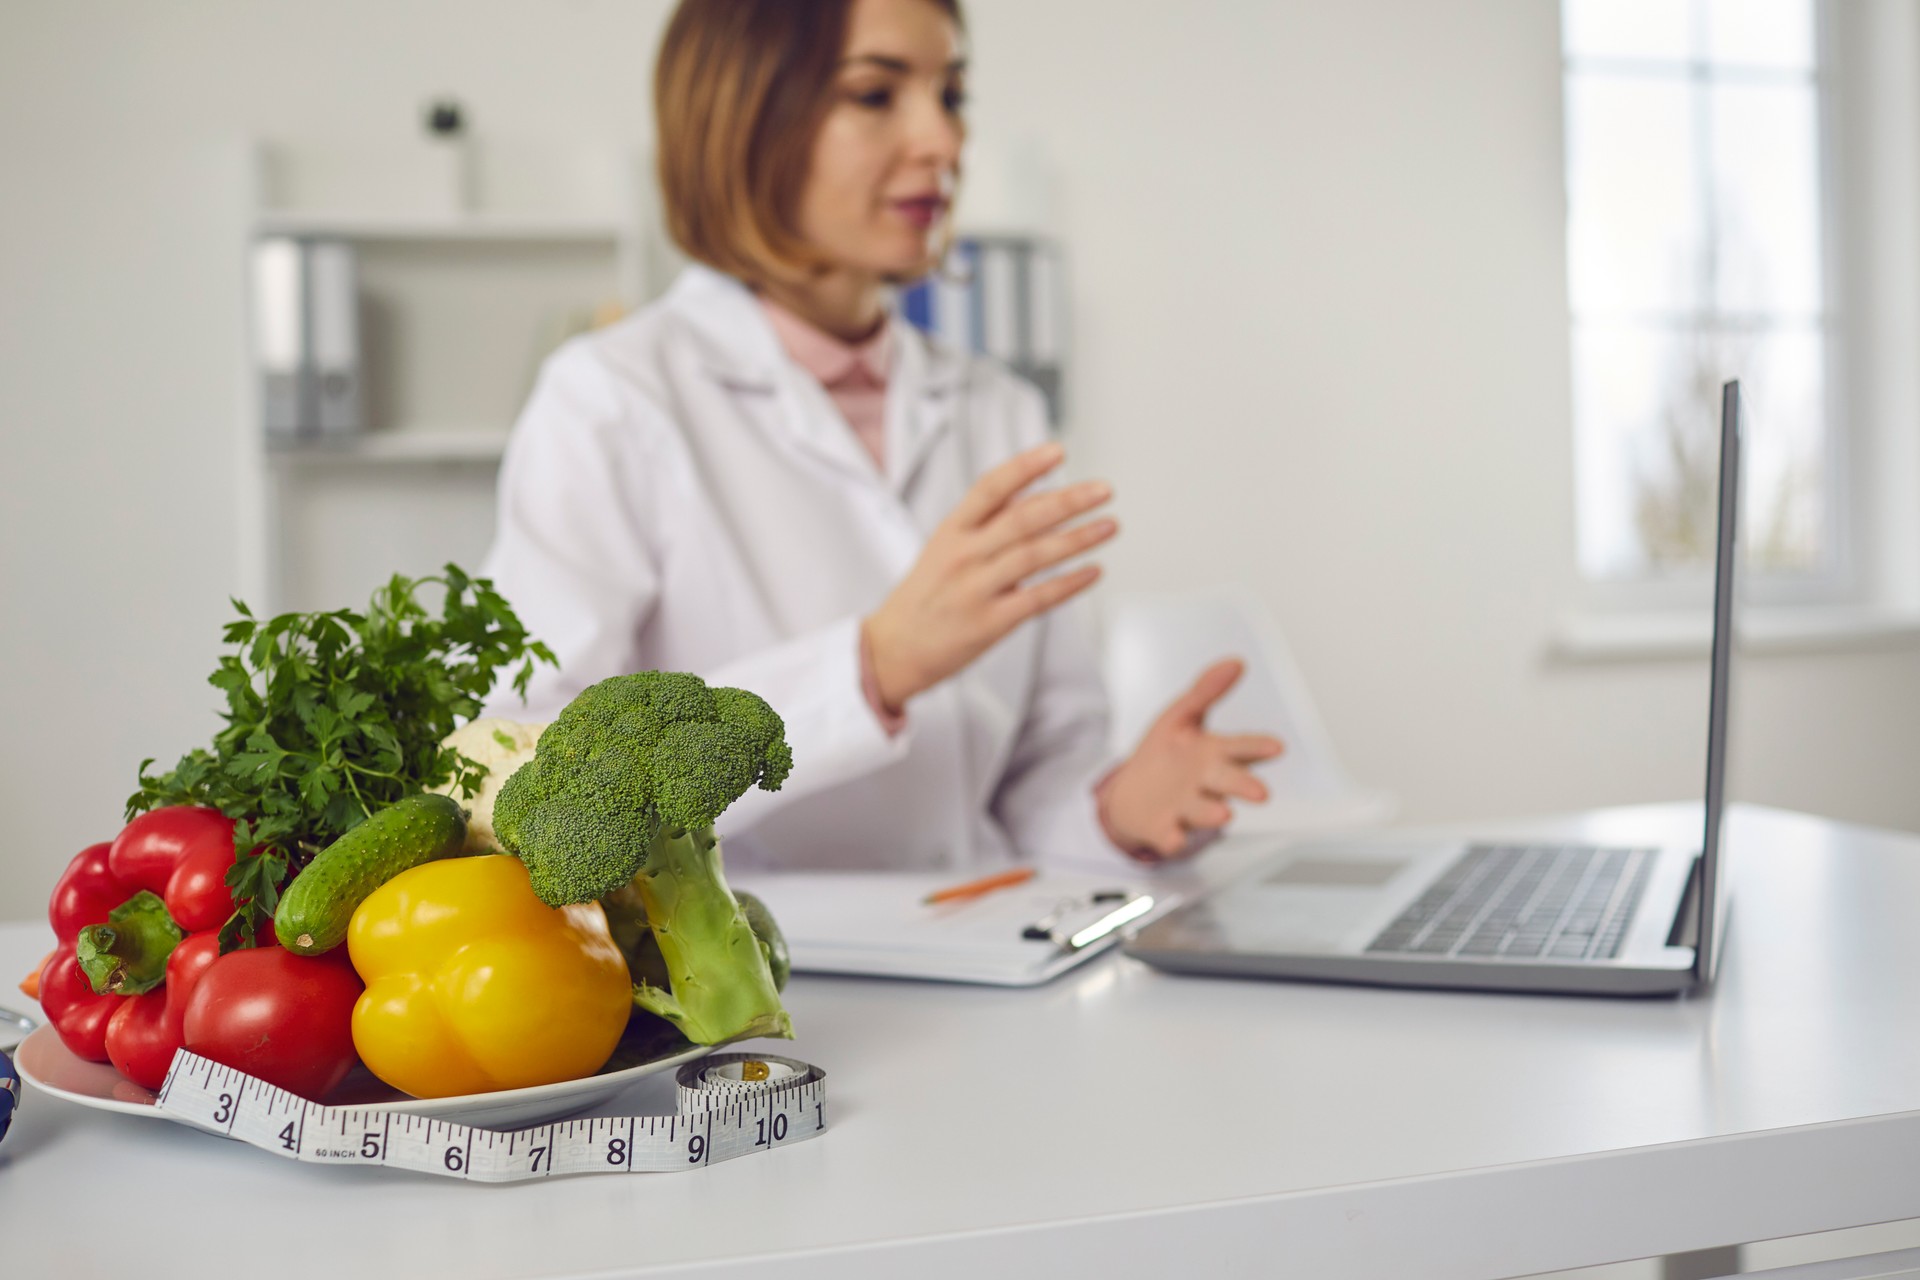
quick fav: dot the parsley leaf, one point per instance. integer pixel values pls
(331, 716)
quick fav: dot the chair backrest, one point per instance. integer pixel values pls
(1156, 645)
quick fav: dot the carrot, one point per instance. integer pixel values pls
(31, 983)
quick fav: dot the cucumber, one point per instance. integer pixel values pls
(760, 920)
(317, 907)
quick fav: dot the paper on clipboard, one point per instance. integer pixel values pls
(876, 924)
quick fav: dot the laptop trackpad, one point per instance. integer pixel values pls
(1317, 901)
(1338, 872)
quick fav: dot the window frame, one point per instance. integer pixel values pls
(1839, 580)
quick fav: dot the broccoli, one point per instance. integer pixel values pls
(623, 790)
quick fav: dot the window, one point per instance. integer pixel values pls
(1696, 252)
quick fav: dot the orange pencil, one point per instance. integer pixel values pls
(974, 888)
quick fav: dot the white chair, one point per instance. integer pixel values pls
(1154, 648)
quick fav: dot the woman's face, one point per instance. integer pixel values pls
(879, 187)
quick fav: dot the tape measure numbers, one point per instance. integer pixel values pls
(731, 1104)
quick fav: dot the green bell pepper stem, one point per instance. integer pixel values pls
(128, 954)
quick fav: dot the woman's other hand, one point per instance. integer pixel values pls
(969, 587)
(1178, 779)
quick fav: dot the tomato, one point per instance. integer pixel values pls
(146, 1029)
(285, 1018)
(148, 849)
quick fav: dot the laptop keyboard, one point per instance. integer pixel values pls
(1531, 902)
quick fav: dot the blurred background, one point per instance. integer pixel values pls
(1406, 318)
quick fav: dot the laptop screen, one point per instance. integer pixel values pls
(1711, 925)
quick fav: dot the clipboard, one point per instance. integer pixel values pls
(877, 924)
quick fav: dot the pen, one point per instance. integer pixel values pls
(974, 888)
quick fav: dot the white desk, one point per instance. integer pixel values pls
(1129, 1123)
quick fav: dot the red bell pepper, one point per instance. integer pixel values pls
(147, 1029)
(124, 906)
(127, 953)
(182, 853)
(82, 896)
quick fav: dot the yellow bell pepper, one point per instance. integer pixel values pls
(474, 984)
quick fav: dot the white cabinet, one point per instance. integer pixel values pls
(471, 266)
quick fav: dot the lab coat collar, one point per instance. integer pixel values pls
(741, 348)
(923, 400)
(744, 354)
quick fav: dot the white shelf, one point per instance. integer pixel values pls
(469, 258)
(470, 227)
(485, 444)
(1781, 629)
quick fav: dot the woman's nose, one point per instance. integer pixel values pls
(934, 134)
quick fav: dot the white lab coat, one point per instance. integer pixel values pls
(679, 495)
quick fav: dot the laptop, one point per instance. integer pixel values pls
(1495, 915)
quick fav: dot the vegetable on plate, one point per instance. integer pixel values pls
(124, 986)
(332, 717)
(285, 1018)
(126, 954)
(623, 790)
(474, 984)
(119, 912)
(502, 746)
(146, 1030)
(316, 908)
(182, 853)
(627, 917)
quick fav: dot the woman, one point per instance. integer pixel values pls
(768, 479)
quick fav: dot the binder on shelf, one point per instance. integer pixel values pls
(1000, 301)
(306, 338)
(955, 317)
(1045, 342)
(335, 332)
(1042, 345)
(999, 295)
(280, 336)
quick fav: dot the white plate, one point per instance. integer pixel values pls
(47, 1064)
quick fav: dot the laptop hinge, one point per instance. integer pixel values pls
(1686, 922)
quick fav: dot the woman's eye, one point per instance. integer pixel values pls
(876, 99)
(954, 99)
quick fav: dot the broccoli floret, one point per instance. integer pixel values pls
(623, 790)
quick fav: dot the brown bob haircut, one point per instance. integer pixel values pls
(740, 90)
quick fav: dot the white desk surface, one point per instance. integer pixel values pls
(1126, 1122)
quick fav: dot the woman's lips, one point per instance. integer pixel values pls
(921, 211)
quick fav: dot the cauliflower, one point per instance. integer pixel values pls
(503, 746)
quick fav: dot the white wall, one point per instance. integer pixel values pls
(1319, 346)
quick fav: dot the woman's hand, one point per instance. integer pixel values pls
(1178, 779)
(967, 589)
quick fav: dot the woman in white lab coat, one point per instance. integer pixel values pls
(685, 491)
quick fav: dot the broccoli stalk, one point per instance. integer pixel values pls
(703, 933)
(623, 789)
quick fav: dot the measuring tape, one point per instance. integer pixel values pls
(731, 1104)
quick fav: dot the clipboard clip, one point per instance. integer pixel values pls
(1124, 907)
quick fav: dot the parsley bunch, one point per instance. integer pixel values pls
(332, 716)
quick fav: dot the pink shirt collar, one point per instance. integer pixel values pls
(833, 362)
